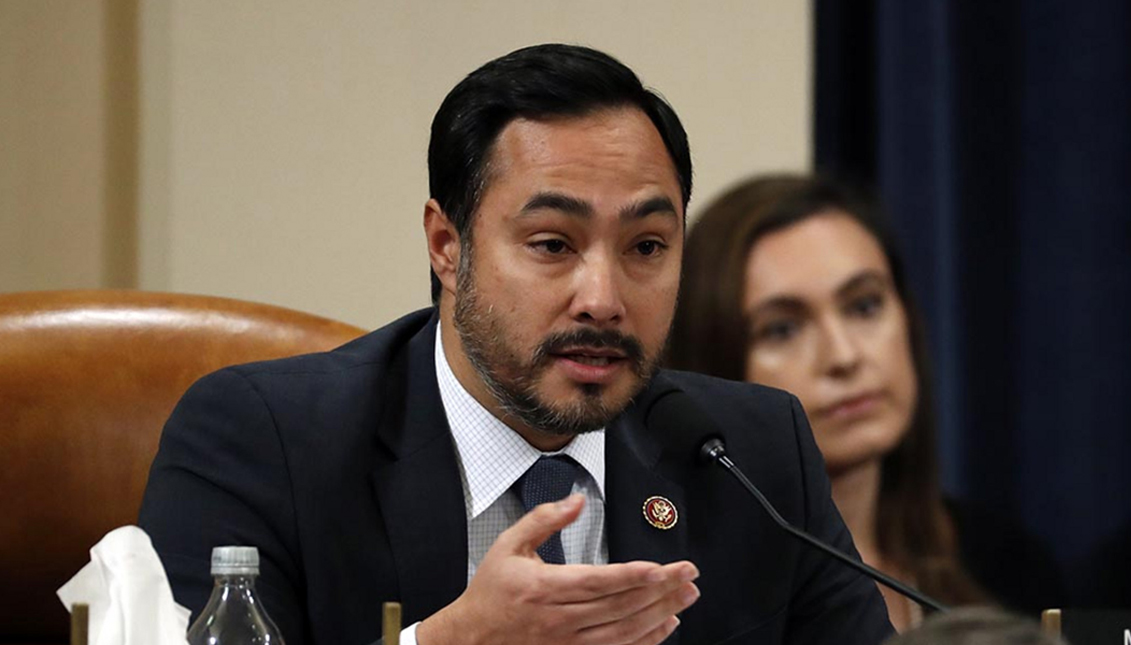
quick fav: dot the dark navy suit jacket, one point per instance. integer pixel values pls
(340, 468)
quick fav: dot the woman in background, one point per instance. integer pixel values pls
(791, 282)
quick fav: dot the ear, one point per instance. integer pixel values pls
(443, 244)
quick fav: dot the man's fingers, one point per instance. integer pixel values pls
(675, 593)
(587, 583)
(623, 603)
(658, 635)
(538, 525)
(642, 625)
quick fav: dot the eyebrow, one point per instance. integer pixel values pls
(861, 279)
(793, 303)
(652, 206)
(557, 202)
(582, 209)
(789, 303)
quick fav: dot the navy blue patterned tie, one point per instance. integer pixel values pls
(548, 480)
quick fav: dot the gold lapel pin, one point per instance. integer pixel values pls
(660, 512)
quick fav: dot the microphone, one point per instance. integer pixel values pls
(688, 436)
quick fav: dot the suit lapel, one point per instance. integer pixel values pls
(418, 487)
(632, 476)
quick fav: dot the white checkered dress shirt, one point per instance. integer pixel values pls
(493, 457)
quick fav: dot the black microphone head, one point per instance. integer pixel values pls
(682, 427)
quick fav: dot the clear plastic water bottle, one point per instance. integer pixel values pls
(234, 615)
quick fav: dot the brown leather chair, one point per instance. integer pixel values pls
(87, 379)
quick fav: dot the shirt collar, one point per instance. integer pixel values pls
(492, 456)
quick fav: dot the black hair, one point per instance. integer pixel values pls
(536, 82)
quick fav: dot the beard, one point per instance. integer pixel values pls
(513, 379)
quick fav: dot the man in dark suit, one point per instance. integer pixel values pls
(414, 463)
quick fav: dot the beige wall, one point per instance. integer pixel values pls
(281, 149)
(55, 164)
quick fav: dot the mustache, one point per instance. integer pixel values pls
(555, 343)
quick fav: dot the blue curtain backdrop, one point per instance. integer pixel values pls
(998, 138)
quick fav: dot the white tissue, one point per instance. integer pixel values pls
(128, 593)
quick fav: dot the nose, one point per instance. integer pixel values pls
(598, 297)
(842, 354)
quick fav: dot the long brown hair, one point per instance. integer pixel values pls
(711, 333)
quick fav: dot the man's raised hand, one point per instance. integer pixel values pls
(514, 597)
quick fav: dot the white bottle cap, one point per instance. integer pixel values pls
(235, 560)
